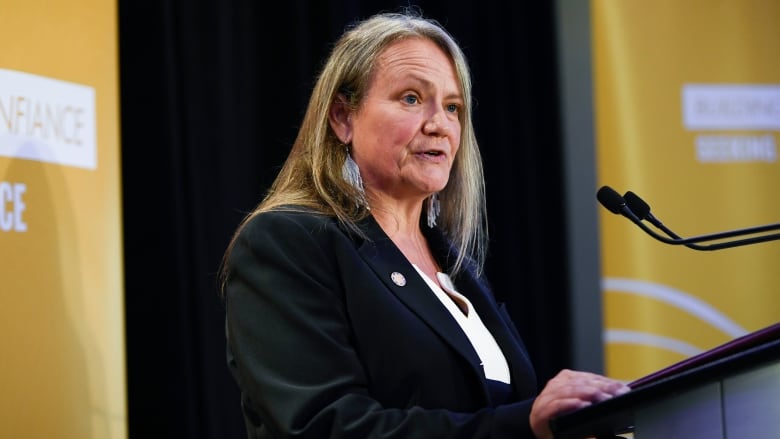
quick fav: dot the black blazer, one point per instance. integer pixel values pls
(323, 343)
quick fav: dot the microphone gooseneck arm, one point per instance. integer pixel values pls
(635, 209)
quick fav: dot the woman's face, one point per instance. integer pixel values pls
(406, 132)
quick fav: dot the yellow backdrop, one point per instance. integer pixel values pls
(62, 352)
(687, 105)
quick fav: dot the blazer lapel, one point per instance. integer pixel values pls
(493, 315)
(402, 279)
(498, 322)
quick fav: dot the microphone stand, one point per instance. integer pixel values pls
(617, 204)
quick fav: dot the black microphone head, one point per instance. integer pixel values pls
(637, 205)
(610, 199)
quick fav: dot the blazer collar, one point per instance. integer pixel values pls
(388, 263)
(398, 274)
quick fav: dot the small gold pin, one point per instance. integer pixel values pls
(398, 278)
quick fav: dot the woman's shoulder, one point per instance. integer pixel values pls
(300, 235)
(293, 222)
(291, 216)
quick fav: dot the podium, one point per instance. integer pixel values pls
(731, 391)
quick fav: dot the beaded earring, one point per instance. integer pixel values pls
(434, 208)
(351, 174)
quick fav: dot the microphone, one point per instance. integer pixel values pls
(642, 211)
(615, 203)
(635, 209)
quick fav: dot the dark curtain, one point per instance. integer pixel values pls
(212, 92)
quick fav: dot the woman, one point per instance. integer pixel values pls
(355, 300)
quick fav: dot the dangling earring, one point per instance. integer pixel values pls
(434, 208)
(351, 173)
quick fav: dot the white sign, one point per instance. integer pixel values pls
(47, 120)
(731, 106)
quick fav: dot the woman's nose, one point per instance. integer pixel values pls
(436, 123)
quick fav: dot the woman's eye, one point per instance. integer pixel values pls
(410, 99)
(452, 108)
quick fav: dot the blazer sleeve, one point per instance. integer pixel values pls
(290, 345)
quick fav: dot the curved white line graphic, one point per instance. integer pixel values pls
(676, 298)
(643, 338)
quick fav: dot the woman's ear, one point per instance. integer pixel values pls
(340, 117)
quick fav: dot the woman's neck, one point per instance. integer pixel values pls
(404, 230)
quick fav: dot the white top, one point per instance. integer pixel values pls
(493, 360)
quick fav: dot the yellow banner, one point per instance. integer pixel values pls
(687, 109)
(62, 352)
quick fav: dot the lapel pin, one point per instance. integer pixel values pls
(398, 278)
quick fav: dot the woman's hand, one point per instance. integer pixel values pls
(570, 390)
